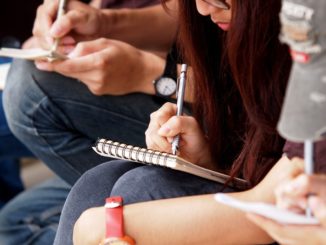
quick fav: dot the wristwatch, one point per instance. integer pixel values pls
(166, 85)
(114, 223)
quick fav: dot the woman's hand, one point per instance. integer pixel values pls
(293, 194)
(109, 67)
(165, 125)
(291, 234)
(80, 22)
(283, 171)
(91, 220)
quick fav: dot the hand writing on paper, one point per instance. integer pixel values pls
(164, 125)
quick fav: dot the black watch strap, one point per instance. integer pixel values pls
(170, 69)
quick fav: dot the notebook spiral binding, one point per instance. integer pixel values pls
(109, 148)
(132, 153)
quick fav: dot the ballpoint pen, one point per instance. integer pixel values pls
(180, 97)
(309, 165)
(61, 12)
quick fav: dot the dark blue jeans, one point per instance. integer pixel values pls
(135, 183)
(33, 216)
(11, 150)
(59, 119)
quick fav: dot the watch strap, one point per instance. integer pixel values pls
(114, 217)
(170, 69)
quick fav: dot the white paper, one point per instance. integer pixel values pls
(267, 210)
(30, 54)
(4, 68)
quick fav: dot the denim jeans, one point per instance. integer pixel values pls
(11, 150)
(32, 217)
(60, 119)
(135, 184)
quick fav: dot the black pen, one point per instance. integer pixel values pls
(180, 97)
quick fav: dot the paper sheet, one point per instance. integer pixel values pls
(266, 210)
(4, 68)
(30, 54)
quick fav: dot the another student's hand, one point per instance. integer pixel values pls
(164, 125)
(291, 234)
(283, 171)
(81, 22)
(109, 67)
(90, 227)
(292, 195)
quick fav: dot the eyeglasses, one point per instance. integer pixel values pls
(218, 4)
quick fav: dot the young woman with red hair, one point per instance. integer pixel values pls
(239, 75)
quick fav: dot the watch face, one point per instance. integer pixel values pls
(165, 86)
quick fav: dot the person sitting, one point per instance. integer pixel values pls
(60, 115)
(240, 71)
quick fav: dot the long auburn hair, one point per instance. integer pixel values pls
(240, 80)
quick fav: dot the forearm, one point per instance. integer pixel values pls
(191, 220)
(150, 28)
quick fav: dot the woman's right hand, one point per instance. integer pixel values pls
(80, 22)
(165, 125)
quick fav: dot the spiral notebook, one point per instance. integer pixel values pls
(31, 54)
(117, 150)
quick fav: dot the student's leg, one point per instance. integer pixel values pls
(61, 119)
(139, 184)
(11, 150)
(32, 217)
(89, 191)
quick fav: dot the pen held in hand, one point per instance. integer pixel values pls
(61, 12)
(180, 98)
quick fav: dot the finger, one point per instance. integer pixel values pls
(281, 233)
(156, 142)
(179, 125)
(43, 22)
(67, 22)
(90, 47)
(163, 114)
(318, 207)
(74, 66)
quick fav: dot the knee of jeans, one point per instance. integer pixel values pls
(144, 184)
(19, 95)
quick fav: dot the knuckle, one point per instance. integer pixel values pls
(96, 90)
(152, 116)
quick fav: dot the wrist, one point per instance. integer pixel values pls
(114, 223)
(115, 22)
(153, 68)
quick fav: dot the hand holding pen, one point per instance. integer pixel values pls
(61, 12)
(180, 98)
